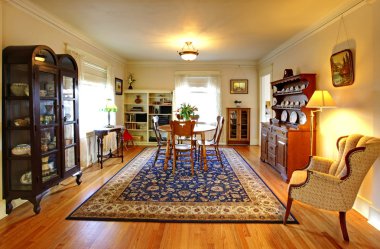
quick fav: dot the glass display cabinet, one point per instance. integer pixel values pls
(238, 126)
(40, 122)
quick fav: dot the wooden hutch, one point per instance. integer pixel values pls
(286, 140)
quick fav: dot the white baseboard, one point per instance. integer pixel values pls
(15, 204)
(366, 208)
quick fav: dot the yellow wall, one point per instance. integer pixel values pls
(155, 75)
(21, 28)
(357, 105)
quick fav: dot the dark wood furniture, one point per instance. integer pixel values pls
(40, 122)
(285, 142)
(238, 126)
(100, 133)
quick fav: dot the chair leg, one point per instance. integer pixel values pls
(287, 212)
(343, 225)
(174, 160)
(192, 162)
(156, 157)
(218, 155)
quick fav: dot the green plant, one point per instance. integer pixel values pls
(186, 111)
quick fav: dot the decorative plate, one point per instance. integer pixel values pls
(286, 103)
(303, 86)
(274, 101)
(274, 89)
(293, 117)
(282, 103)
(297, 103)
(302, 103)
(291, 89)
(302, 118)
(284, 115)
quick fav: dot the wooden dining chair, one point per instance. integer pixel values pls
(160, 141)
(184, 150)
(214, 142)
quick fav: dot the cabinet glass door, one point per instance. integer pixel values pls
(49, 127)
(17, 145)
(233, 124)
(70, 127)
(244, 124)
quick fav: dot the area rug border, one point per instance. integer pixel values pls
(137, 219)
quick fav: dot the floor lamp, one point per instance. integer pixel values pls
(320, 100)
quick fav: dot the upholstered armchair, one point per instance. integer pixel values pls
(333, 185)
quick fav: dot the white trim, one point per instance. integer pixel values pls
(53, 21)
(345, 9)
(374, 217)
(365, 207)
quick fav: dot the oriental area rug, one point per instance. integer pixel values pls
(141, 191)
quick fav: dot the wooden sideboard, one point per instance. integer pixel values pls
(286, 140)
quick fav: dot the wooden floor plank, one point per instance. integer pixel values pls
(49, 229)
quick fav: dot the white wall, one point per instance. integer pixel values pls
(357, 105)
(19, 27)
(160, 75)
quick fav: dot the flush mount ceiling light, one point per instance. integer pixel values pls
(188, 52)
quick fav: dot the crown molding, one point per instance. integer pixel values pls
(250, 64)
(343, 10)
(53, 21)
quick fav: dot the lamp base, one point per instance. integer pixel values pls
(109, 126)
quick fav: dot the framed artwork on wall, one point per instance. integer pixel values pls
(342, 68)
(118, 86)
(238, 86)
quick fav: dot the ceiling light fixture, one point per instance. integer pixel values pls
(188, 52)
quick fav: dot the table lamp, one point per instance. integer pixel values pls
(320, 99)
(110, 107)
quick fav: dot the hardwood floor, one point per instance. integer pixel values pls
(49, 229)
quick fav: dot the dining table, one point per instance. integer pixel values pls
(199, 129)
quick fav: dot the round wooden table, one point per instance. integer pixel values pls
(198, 129)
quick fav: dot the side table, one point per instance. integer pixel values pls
(100, 133)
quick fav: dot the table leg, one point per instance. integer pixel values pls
(100, 148)
(204, 151)
(167, 154)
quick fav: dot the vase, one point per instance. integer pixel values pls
(138, 100)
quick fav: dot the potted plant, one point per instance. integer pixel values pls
(186, 112)
(237, 103)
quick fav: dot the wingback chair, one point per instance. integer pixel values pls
(333, 185)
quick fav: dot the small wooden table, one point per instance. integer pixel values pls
(100, 133)
(198, 129)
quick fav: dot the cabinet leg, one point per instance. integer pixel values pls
(36, 203)
(78, 175)
(8, 207)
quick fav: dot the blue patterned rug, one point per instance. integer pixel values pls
(143, 192)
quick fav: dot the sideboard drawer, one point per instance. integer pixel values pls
(271, 159)
(272, 148)
(272, 138)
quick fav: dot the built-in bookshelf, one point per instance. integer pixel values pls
(139, 108)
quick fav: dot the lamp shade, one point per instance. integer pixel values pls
(110, 106)
(321, 99)
(188, 52)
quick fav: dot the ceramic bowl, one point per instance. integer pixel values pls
(21, 149)
(43, 93)
(20, 89)
(26, 178)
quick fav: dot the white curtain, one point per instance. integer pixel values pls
(95, 87)
(201, 89)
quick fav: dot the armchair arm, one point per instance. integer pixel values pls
(320, 164)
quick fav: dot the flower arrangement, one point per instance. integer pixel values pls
(131, 79)
(186, 111)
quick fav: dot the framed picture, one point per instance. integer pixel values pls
(239, 86)
(118, 86)
(342, 68)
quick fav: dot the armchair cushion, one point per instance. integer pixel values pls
(320, 164)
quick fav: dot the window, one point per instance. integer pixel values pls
(201, 89)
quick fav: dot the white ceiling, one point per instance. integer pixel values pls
(222, 30)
